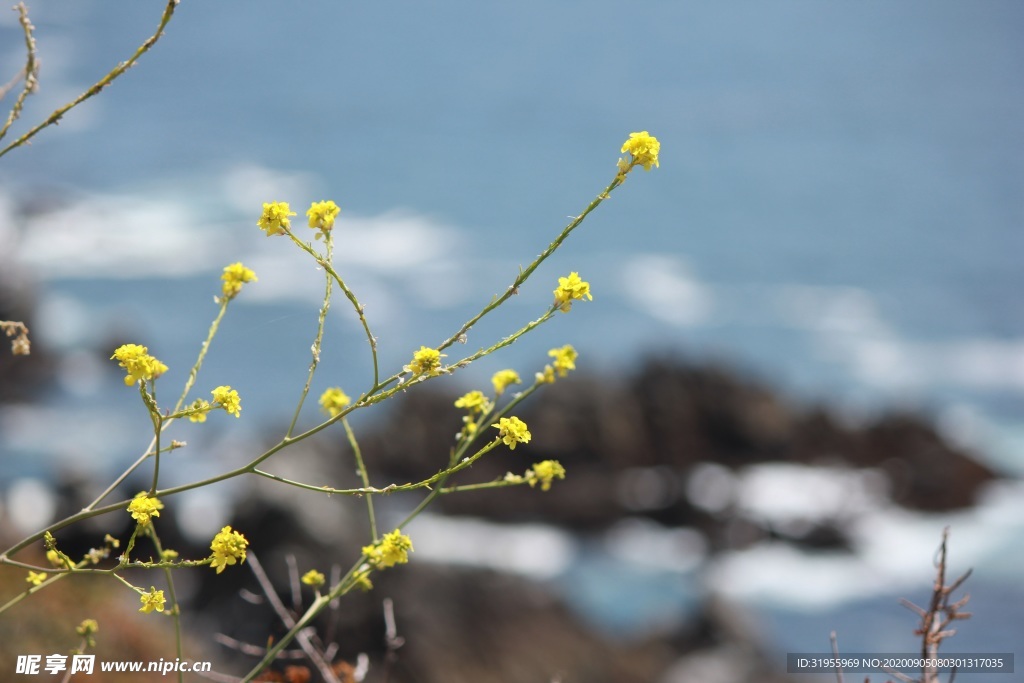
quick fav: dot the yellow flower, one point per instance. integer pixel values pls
(512, 431)
(322, 214)
(143, 508)
(545, 472)
(153, 601)
(228, 399)
(565, 359)
(55, 559)
(426, 361)
(393, 549)
(168, 555)
(137, 363)
(333, 401)
(87, 629)
(200, 409)
(35, 578)
(234, 277)
(314, 578)
(228, 547)
(275, 218)
(644, 149)
(474, 402)
(570, 289)
(547, 376)
(503, 378)
(362, 580)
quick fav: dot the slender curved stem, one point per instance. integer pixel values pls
(100, 84)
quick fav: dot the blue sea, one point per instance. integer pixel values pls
(838, 210)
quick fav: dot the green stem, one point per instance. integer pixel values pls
(361, 466)
(102, 83)
(317, 341)
(31, 70)
(194, 372)
(359, 308)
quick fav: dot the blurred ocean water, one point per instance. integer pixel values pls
(839, 207)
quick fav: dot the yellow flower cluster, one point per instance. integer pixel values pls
(333, 401)
(565, 360)
(512, 431)
(199, 410)
(314, 578)
(228, 399)
(545, 472)
(35, 578)
(228, 547)
(571, 289)
(234, 277)
(474, 402)
(643, 148)
(144, 508)
(137, 362)
(275, 219)
(322, 214)
(503, 378)
(426, 361)
(153, 601)
(393, 549)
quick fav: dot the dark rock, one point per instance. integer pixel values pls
(663, 421)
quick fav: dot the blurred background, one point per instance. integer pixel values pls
(804, 357)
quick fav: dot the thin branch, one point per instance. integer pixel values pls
(289, 621)
(30, 72)
(98, 87)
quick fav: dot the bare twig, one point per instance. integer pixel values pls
(30, 73)
(392, 640)
(303, 637)
(9, 85)
(835, 652)
(254, 650)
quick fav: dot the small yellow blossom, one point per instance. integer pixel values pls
(474, 402)
(546, 376)
(644, 149)
(333, 401)
(503, 378)
(137, 362)
(565, 359)
(87, 629)
(143, 508)
(228, 547)
(199, 410)
(469, 425)
(426, 361)
(314, 578)
(234, 277)
(153, 601)
(512, 431)
(545, 472)
(35, 578)
(55, 559)
(275, 218)
(362, 580)
(168, 555)
(322, 214)
(228, 399)
(571, 289)
(393, 549)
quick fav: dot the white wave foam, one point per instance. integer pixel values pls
(665, 288)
